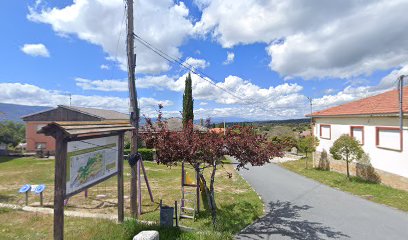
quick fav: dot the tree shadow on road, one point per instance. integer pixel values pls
(284, 219)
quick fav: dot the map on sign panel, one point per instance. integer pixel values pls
(90, 161)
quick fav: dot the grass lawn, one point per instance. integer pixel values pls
(238, 205)
(371, 191)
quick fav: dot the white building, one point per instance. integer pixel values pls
(375, 122)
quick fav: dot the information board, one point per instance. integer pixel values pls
(90, 161)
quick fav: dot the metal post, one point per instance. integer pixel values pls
(175, 211)
(401, 92)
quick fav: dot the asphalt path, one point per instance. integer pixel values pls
(300, 208)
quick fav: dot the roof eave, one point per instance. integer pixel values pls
(31, 114)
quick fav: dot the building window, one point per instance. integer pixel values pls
(325, 131)
(40, 146)
(357, 132)
(389, 138)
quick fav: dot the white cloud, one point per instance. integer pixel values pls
(35, 50)
(101, 23)
(203, 103)
(102, 85)
(202, 3)
(329, 91)
(314, 39)
(105, 67)
(233, 90)
(196, 63)
(27, 94)
(352, 93)
(230, 58)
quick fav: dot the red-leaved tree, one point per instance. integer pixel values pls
(207, 149)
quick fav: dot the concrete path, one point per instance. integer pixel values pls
(300, 208)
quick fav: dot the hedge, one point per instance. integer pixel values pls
(147, 153)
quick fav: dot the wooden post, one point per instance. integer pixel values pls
(59, 185)
(26, 198)
(134, 114)
(41, 199)
(146, 180)
(182, 184)
(139, 189)
(198, 189)
(120, 179)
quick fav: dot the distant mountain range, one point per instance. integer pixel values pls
(14, 112)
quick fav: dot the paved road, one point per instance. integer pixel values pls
(300, 208)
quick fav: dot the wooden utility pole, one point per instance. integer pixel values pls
(134, 111)
(311, 129)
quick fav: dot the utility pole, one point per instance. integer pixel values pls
(224, 127)
(134, 110)
(311, 128)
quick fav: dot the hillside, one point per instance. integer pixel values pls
(14, 112)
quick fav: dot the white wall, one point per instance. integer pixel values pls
(387, 160)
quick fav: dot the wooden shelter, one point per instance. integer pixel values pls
(36, 121)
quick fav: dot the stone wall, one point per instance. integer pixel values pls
(364, 171)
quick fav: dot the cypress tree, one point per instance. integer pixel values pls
(188, 114)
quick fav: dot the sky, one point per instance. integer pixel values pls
(257, 59)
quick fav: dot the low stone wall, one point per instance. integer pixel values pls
(364, 171)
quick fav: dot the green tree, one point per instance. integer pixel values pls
(188, 102)
(348, 149)
(12, 133)
(308, 145)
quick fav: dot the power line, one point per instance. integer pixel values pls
(207, 78)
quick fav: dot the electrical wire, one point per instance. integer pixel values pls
(208, 78)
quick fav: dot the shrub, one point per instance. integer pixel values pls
(366, 171)
(307, 145)
(348, 149)
(324, 163)
(288, 142)
(147, 153)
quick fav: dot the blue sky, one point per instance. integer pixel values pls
(334, 52)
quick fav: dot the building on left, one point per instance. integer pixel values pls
(36, 121)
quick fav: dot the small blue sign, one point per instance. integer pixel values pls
(25, 188)
(39, 189)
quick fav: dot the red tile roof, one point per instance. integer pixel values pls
(385, 103)
(217, 130)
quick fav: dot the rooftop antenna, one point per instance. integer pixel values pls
(70, 98)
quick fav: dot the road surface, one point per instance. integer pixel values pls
(301, 208)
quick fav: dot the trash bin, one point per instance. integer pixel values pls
(166, 216)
